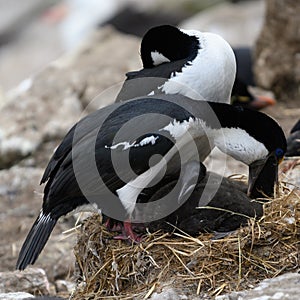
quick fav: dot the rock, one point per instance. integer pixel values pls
(64, 286)
(167, 294)
(32, 280)
(231, 21)
(21, 200)
(49, 298)
(44, 108)
(171, 292)
(17, 15)
(284, 287)
(291, 169)
(3, 98)
(277, 50)
(15, 296)
(57, 257)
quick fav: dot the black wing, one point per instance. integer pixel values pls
(143, 82)
(71, 179)
(94, 140)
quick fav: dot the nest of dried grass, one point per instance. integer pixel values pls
(108, 268)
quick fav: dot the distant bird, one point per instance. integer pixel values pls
(244, 60)
(199, 65)
(244, 79)
(293, 141)
(160, 128)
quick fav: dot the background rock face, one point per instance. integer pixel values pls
(45, 107)
(278, 50)
(284, 287)
(32, 281)
(231, 21)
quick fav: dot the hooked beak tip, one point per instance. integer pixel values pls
(260, 102)
(262, 178)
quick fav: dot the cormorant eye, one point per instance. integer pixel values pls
(279, 153)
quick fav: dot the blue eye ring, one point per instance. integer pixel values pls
(279, 153)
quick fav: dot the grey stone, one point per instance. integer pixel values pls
(21, 200)
(15, 296)
(168, 293)
(231, 21)
(44, 108)
(64, 286)
(284, 287)
(16, 13)
(32, 280)
(291, 167)
(277, 50)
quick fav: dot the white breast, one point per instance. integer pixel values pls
(237, 143)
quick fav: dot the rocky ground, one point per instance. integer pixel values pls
(36, 115)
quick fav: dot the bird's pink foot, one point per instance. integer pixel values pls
(128, 233)
(113, 225)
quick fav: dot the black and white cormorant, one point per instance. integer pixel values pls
(180, 61)
(112, 155)
(199, 65)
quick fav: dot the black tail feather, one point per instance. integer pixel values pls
(35, 240)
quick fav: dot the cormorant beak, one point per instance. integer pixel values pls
(263, 175)
(260, 102)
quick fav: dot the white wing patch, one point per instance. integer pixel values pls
(148, 140)
(126, 145)
(194, 125)
(176, 128)
(158, 58)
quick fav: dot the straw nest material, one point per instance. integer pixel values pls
(113, 269)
